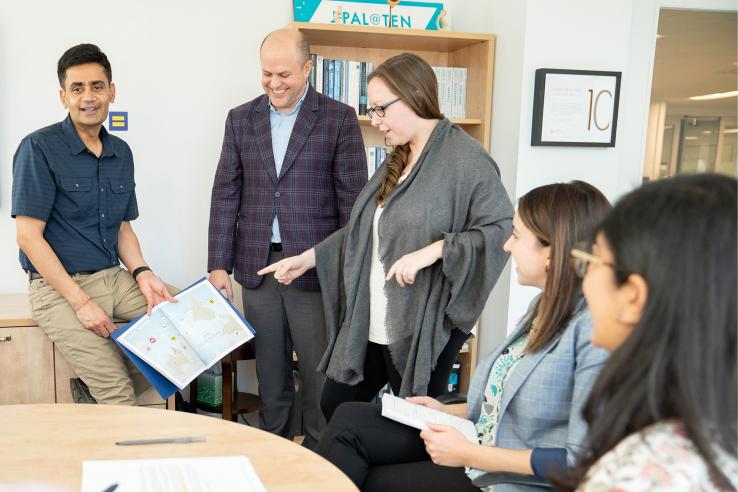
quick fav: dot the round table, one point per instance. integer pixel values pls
(48, 443)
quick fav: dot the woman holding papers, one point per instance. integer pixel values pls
(406, 279)
(525, 398)
(660, 281)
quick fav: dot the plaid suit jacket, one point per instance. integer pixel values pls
(323, 171)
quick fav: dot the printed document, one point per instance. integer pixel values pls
(417, 416)
(204, 474)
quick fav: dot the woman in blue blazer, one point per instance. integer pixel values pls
(525, 398)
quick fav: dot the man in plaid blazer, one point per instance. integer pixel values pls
(292, 164)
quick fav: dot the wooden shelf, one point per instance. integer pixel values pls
(390, 38)
(365, 120)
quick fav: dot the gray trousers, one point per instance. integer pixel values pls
(285, 317)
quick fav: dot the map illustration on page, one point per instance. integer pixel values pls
(181, 340)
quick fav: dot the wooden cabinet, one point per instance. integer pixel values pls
(26, 366)
(475, 52)
(32, 370)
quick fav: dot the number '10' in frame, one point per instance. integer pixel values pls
(576, 108)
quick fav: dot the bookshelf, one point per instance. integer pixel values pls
(472, 51)
(475, 52)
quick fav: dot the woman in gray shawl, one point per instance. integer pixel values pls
(405, 280)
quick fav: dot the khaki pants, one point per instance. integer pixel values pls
(111, 377)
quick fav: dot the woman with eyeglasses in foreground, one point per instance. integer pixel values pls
(661, 286)
(525, 397)
(406, 279)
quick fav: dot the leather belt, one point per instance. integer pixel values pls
(276, 247)
(34, 276)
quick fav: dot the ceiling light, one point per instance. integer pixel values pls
(707, 132)
(730, 130)
(659, 36)
(717, 95)
(690, 137)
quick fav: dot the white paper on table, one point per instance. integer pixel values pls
(418, 416)
(201, 474)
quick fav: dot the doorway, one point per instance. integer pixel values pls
(693, 120)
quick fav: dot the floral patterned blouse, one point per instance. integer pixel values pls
(658, 458)
(500, 372)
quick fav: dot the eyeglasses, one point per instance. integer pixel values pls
(581, 257)
(379, 110)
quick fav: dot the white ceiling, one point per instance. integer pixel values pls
(696, 55)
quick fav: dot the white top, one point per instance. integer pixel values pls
(377, 296)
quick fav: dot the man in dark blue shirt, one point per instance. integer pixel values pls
(73, 200)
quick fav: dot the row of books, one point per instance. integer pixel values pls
(343, 80)
(451, 91)
(346, 81)
(375, 156)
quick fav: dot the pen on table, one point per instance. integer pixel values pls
(170, 440)
(111, 488)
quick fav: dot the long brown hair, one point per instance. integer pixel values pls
(679, 361)
(560, 215)
(411, 79)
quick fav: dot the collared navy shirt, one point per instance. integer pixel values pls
(82, 199)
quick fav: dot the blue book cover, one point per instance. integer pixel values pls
(338, 81)
(326, 75)
(179, 341)
(331, 77)
(362, 90)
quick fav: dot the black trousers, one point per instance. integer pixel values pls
(379, 370)
(379, 454)
(284, 318)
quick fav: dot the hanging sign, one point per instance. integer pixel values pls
(374, 13)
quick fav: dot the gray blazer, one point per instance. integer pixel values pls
(542, 400)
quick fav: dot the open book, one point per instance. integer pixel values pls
(417, 416)
(181, 340)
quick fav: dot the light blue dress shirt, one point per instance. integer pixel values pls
(281, 125)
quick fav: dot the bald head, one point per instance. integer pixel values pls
(287, 38)
(285, 68)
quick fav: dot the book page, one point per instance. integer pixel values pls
(208, 322)
(206, 474)
(418, 416)
(155, 340)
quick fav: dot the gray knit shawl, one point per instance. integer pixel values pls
(452, 193)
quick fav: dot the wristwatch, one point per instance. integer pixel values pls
(140, 269)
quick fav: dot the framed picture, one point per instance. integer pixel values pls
(575, 108)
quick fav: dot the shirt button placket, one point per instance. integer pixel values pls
(103, 203)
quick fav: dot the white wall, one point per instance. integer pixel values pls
(178, 68)
(560, 44)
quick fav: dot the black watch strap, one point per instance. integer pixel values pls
(140, 269)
